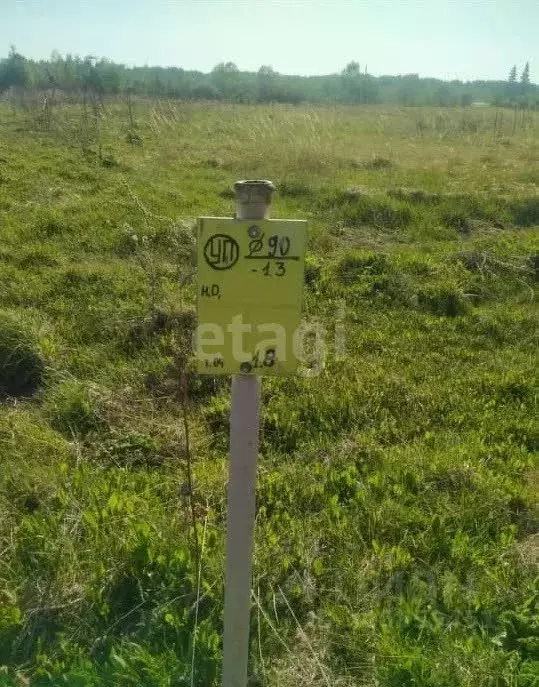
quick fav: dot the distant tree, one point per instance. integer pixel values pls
(351, 69)
(107, 77)
(225, 77)
(14, 71)
(352, 82)
(358, 87)
(408, 88)
(525, 76)
(512, 88)
(88, 75)
(226, 68)
(69, 77)
(266, 81)
(155, 85)
(442, 96)
(204, 91)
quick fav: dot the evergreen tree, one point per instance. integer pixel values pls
(14, 71)
(525, 76)
(513, 74)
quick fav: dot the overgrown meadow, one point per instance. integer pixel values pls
(396, 536)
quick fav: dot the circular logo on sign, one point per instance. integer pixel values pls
(221, 252)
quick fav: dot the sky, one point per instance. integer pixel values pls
(447, 39)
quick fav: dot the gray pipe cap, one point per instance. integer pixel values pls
(253, 198)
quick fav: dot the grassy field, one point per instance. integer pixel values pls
(396, 535)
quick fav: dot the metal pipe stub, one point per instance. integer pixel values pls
(253, 198)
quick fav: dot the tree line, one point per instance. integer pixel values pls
(354, 85)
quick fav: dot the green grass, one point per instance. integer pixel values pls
(396, 537)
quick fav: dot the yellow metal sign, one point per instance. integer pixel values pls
(250, 280)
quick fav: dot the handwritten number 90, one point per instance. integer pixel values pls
(279, 245)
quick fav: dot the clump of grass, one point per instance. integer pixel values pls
(376, 162)
(212, 163)
(227, 193)
(354, 265)
(414, 195)
(133, 137)
(313, 271)
(145, 330)
(201, 388)
(526, 212)
(463, 211)
(356, 210)
(443, 300)
(51, 223)
(165, 380)
(533, 261)
(295, 189)
(358, 192)
(131, 449)
(379, 215)
(217, 417)
(458, 222)
(109, 160)
(21, 366)
(36, 258)
(393, 288)
(71, 407)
